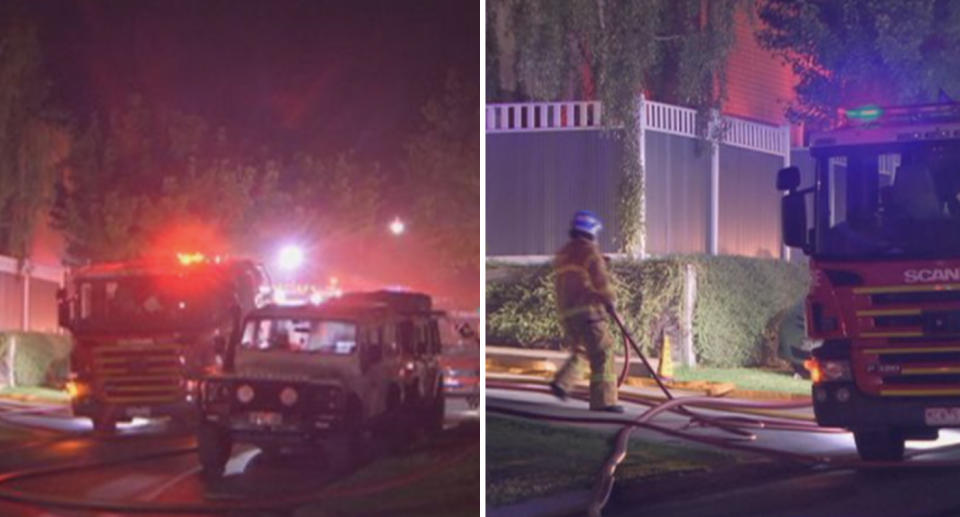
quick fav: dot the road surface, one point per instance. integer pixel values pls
(925, 486)
(47, 435)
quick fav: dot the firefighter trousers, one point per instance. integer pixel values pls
(589, 339)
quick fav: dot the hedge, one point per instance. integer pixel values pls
(740, 302)
(39, 359)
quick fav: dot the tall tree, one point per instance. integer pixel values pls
(31, 140)
(853, 52)
(611, 51)
(140, 171)
(443, 173)
(144, 179)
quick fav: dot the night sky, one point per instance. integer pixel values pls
(290, 74)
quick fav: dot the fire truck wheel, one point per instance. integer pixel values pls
(104, 425)
(435, 414)
(879, 445)
(213, 448)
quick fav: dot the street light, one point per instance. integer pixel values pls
(290, 257)
(396, 226)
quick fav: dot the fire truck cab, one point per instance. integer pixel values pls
(322, 377)
(881, 225)
(146, 331)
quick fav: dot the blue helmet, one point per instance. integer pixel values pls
(587, 222)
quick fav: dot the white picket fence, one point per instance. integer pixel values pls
(656, 116)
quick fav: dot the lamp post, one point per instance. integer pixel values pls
(397, 227)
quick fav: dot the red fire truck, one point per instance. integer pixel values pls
(881, 225)
(145, 331)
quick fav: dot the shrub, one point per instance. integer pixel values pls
(39, 359)
(739, 303)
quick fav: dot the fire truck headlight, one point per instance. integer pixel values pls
(826, 370)
(245, 393)
(77, 389)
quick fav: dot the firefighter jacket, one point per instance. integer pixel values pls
(581, 280)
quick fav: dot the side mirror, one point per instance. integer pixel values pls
(219, 344)
(793, 220)
(788, 178)
(63, 309)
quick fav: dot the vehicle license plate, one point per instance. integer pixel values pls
(265, 418)
(141, 411)
(943, 416)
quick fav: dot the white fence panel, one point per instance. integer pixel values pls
(656, 116)
(544, 116)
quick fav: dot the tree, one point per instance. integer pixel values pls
(31, 140)
(849, 53)
(140, 173)
(611, 51)
(443, 174)
(145, 179)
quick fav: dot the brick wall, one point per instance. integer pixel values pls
(759, 85)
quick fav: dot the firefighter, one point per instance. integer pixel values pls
(584, 298)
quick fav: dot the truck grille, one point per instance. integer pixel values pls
(139, 375)
(922, 369)
(916, 328)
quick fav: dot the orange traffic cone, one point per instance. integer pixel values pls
(665, 368)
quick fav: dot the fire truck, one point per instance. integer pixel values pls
(322, 377)
(880, 223)
(145, 331)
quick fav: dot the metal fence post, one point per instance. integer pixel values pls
(687, 356)
(713, 132)
(785, 139)
(25, 270)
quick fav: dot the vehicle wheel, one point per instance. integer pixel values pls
(104, 424)
(213, 448)
(435, 414)
(473, 401)
(879, 445)
(348, 446)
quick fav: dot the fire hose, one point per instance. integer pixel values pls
(737, 425)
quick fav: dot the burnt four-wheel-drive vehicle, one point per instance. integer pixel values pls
(325, 378)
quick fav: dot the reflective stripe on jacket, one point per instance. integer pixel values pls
(581, 280)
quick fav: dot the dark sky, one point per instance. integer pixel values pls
(293, 74)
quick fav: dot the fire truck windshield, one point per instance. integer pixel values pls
(887, 201)
(147, 303)
(300, 335)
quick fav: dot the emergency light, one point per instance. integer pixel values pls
(903, 115)
(187, 259)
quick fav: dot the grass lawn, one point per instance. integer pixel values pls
(747, 379)
(451, 491)
(528, 459)
(37, 393)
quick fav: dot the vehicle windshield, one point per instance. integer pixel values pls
(881, 202)
(148, 303)
(300, 335)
